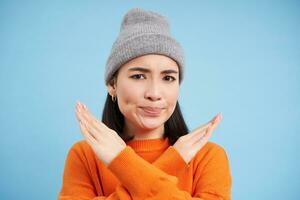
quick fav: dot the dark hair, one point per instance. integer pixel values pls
(112, 117)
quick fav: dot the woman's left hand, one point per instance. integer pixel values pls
(105, 142)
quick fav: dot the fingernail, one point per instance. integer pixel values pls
(81, 105)
(84, 106)
(78, 108)
(217, 118)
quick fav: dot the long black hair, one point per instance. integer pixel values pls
(112, 117)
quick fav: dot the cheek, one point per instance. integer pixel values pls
(172, 96)
(128, 97)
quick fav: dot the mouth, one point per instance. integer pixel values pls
(152, 111)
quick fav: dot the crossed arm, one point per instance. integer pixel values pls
(147, 181)
(159, 179)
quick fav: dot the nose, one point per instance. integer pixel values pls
(153, 91)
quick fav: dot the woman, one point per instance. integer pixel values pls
(142, 148)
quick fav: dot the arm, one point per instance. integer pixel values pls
(152, 174)
(77, 183)
(167, 158)
(215, 181)
(211, 171)
(77, 179)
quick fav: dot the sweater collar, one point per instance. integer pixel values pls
(149, 144)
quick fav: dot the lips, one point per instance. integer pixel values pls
(153, 111)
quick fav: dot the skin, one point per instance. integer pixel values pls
(135, 89)
(138, 88)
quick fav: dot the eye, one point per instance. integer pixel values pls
(170, 78)
(137, 76)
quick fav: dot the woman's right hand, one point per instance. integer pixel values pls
(189, 144)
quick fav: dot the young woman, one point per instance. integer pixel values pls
(142, 148)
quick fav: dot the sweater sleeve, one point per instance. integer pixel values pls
(212, 178)
(129, 168)
(77, 183)
(214, 184)
(167, 159)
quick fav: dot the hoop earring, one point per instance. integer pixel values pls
(114, 98)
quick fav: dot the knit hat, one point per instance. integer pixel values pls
(143, 32)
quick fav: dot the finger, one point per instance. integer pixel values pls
(208, 132)
(92, 130)
(90, 117)
(92, 127)
(202, 141)
(200, 135)
(78, 115)
(205, 126)
(85, 123)
(82, 118)
(216, 123)
(77, 112)
(199, 131)
(90, 139)
(82, 111)
(95, 125)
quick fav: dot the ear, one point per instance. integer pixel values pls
(111, 87)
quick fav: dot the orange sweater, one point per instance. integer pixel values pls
(146, 169)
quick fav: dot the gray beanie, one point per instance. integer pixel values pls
(143, 32)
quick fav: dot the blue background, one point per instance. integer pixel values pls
(242, 59)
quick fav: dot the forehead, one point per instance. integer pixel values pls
(151, 62)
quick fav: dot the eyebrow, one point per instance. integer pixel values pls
(168, 71)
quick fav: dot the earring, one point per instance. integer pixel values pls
(114, 98)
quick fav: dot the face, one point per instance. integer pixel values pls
(147, 90)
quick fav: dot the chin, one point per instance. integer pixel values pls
(151, 123)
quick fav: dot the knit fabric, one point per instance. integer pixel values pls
(143, 32)
(146, 169)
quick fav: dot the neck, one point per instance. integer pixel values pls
(142, 134)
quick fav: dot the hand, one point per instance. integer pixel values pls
(188, 145)
(105, 142)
